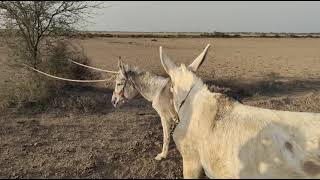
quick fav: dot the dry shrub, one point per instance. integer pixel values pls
(57, 64)
(25, 88)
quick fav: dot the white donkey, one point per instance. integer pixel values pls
(131, 81)
(227, 139)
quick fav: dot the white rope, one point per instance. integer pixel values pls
(114, 72)
(65, 79)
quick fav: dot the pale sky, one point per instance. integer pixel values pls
(204, 16)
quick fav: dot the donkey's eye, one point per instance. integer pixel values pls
(119, 84)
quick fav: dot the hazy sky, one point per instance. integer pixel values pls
(203, 16)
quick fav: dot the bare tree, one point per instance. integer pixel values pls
(34, 20)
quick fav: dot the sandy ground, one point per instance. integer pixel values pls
(122, 143)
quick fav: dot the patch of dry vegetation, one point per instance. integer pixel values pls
(25, 88)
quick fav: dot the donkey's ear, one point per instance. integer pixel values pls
(199, 60)
(166, 62)
(122, 68)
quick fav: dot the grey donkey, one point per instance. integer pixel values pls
(131, 81)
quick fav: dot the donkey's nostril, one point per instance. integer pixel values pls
(114, 103)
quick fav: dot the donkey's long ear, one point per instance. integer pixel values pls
(166, 62)
(199, 60)
(122, 68)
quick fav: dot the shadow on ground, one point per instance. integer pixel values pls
(266, 87)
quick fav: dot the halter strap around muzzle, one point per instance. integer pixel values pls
(121, 93)
(128, 78)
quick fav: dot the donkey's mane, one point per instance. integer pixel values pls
(134, 70)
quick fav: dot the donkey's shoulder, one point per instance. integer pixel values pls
(164, 98)
(165, 94)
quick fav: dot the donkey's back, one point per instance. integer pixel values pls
(252, 142)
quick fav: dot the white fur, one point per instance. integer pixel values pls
(227, 139)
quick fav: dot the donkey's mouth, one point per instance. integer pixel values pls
(118, 104)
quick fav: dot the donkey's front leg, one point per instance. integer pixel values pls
(192, 168)
(166, 139)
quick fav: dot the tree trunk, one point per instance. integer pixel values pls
(35, 57)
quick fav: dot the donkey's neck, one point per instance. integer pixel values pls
(148, 84)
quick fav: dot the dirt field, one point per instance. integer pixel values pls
(122, 143)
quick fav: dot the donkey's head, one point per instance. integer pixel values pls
(183, 78)
(123, 90)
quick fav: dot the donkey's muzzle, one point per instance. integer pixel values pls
(114, 102)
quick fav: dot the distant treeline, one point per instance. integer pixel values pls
(195, 35)
(92, 34)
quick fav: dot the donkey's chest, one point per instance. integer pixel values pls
(188, 136)
(163, 103)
